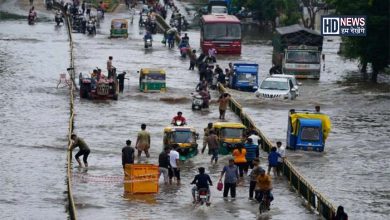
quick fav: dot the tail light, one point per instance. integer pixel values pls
(203, 193)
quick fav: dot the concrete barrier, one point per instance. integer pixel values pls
(306, 190)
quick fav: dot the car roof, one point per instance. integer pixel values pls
(283, 76)
(275, 79)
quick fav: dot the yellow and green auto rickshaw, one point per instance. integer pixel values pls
(152, 80)
(119, 28)
(185, 137)
(229, 135)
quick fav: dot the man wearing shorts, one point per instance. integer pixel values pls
(213, 143)
(223, 104)
(84, 149)
(174, 171)
(143, 141)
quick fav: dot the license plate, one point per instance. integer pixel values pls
(203, 196)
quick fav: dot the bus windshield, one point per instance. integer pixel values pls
(302, 57)
(222, 31)
(232, 133)
(182, 137)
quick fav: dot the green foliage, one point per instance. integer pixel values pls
(268, 10)
(374, 48)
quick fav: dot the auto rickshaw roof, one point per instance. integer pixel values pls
(119, 21)
(326, 123)
(179, 128)
(152, 71)
(228, 125)
(246, 67)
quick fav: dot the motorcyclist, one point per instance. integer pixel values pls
(202, 180)
(177, 118)
(185, 39)
(205, 96)
(263, 186)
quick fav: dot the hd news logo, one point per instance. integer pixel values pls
(343, 25)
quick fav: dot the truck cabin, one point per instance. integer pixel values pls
(218, 7)
(302, 54)
(296, 38)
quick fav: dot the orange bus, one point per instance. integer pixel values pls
(222, 32)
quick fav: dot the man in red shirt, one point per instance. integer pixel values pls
(179, 117)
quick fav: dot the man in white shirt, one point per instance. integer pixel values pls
(255, 138)
(174, 161)
(282, 153)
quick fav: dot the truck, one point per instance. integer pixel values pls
(307, 130)
(219, 7)
(297, 51)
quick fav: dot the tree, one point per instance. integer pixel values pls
(374, 48)
(313, 6)
(269, 10)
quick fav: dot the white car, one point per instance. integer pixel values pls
(278, 86)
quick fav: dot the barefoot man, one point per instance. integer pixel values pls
(84, 149)
(143, 141)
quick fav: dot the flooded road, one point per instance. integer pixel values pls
(353, 170)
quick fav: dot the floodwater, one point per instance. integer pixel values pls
(34, 113)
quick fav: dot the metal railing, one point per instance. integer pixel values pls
(305, 189)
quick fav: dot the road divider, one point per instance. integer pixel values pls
(72, 87)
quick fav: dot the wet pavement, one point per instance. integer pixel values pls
(35, 113)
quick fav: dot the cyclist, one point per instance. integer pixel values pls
(264, 186)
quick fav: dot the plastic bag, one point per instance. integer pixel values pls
(220, 186)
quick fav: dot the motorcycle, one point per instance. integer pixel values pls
(58, 18)
(148, 43)
(178, 123)
(197, 102)
(100, 14)
(202, 196)
(183, 52)
(143, 20)
(91, 27)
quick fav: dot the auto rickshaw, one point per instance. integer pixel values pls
(307, 130)
(119, 28)
(229, 135)
(152, 80)
(185, 137)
